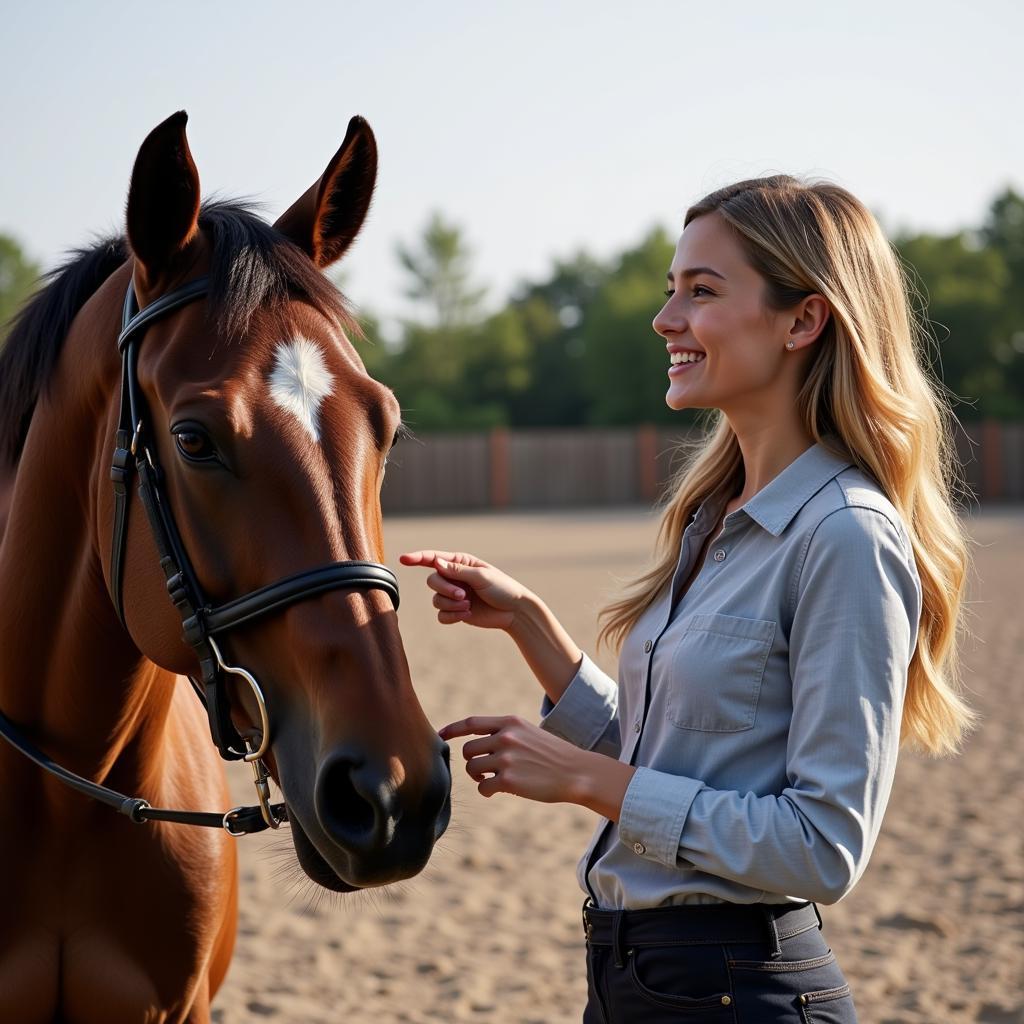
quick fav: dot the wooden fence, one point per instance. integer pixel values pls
(522, 469)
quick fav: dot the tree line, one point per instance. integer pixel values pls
(577, 349)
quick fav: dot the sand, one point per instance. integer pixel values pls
(490, 932)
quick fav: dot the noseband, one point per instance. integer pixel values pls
(201, 621)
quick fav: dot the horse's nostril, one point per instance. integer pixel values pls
(344, 812)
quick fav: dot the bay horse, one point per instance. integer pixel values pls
(191, 456)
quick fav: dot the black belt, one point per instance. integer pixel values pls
(699, 924)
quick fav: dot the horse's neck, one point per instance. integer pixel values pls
(6, 496)
(69, 673)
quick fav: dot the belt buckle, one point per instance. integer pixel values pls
(588, 925)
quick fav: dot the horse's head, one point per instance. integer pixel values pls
(272, 439)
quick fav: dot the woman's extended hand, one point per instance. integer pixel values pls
(468, 589)
(518, 757)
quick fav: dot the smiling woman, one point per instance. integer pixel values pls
(796, 626)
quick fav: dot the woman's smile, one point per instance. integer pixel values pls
(683, 361)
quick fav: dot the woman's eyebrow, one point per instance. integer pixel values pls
(694, 271)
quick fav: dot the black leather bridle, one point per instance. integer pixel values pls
(201, 621)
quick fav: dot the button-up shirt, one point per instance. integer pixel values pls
(763, 707)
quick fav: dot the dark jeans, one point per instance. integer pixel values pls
(727, 964)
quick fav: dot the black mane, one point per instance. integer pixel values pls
(253, 267)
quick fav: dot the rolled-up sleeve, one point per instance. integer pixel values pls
(854, 630)
(587, 712)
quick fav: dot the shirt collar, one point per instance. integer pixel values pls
(775, 505)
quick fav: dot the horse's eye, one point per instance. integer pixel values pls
(195, 445)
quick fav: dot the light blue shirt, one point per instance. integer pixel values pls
(763, 711)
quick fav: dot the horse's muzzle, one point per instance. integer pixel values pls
(385, 825)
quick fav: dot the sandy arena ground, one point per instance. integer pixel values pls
(490, 932)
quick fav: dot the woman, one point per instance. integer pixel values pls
(798, 622)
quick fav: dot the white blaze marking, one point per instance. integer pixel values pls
(300, 381)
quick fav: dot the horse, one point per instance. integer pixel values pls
(191, 458)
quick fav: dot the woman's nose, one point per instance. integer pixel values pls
(669, 320)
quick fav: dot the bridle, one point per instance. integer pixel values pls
(201, 621)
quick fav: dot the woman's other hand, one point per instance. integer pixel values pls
(468, 589)
(518, 757)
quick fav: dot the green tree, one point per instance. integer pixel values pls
(624, 367)
(439, 275)
(1003, 231)
(429, 368)
(18, 277)
(965, 288)
(554, 314)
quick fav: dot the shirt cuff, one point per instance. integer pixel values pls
(586, 707)
(653, 812)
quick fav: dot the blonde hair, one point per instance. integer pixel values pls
(867, 390)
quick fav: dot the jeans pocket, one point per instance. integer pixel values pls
(717, 669)
(828, 1006)
(690, 980)
(778, 966)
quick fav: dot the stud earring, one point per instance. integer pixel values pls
(790, 344)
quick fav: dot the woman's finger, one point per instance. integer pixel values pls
(478, 748)
(447, 604)
(488, 764)
(472, 575)
(495, 784)
(425, 557)
(437, 582)
(429, 556)
(450, 618)
(476, 725)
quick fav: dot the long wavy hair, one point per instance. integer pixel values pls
(868, 388)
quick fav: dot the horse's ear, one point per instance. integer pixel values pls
(163, 198)
(327, 218)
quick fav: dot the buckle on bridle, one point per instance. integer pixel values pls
(135, 438)
(260, 780)
(229, 819)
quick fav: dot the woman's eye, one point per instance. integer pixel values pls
(669, 292)
(195, 445)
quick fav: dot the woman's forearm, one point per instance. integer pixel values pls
(545, 646)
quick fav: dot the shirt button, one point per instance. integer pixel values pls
(639, 849)
(636, 725)
(720, 555)
(647, 647)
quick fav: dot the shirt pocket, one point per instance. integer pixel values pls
(716, 672)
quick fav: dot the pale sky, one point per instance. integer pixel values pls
(538, 127)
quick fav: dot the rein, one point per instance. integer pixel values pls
(200, 620)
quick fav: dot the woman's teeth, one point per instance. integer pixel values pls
(686, 357)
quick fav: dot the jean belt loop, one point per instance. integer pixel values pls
(586, 920)
(773, 934)
(617, 929)
(817, 914)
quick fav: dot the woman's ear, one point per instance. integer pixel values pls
(812, 315)
(326, 219)
(163, 199)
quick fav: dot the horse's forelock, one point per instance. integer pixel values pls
(253, 268)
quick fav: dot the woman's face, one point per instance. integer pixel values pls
(716, 307)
